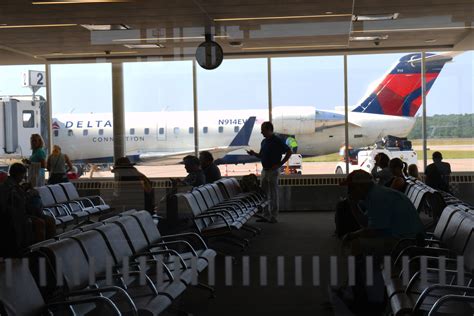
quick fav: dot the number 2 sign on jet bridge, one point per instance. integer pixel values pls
(33, 78)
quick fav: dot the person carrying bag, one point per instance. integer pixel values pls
(56, 166)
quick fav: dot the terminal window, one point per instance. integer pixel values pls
(205, 129)
(132, 131)
(191, 130)
(221, 129)
(147, 131)
(101, 131)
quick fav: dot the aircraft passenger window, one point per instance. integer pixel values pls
(132, 131)
(221, 129)
(147, 131)
(204, 130)
(161, 131)
(191, 130)
(176, 130)
(85, 132)
(101, 131)
(70, 132)
(28, 119)
(236, 129)
(55, 133)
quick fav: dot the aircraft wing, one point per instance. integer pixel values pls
(240, 141)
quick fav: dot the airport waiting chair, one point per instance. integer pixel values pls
(87, 201)
(19, 295)
(239, 210)
(135, 300)
(198, 246)
(59, 212)
(215, 224)
(453, 248)
(75, 208)
(438, 294)
(98, 250)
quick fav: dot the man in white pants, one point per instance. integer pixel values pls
(271, 150)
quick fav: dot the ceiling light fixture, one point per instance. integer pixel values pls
(431, 40)
(375, 17)
(86, 54)
(287, 17)
(106, 27)
(368, 38)
(166, 38)
(6, 26)
(77, 1)
(418, 29)
(293, 47)
(142, 46)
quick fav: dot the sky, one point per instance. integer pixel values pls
(238, 84)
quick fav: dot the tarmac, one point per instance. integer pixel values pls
(309, 168)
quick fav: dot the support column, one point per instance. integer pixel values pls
(195, 110)
(48, 108)
(423, 118)
(270, 98)
(346, 116)
(118, 110)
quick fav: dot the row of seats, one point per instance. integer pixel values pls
(420, 282)
(221, 208)
(116, 267)
(63, 203)
(424, 198)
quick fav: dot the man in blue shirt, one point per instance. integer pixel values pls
(391, 216)
(272, 149)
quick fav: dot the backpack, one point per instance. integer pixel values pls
(249, 183)
(344, 219)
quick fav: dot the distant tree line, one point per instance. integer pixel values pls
(445, 126)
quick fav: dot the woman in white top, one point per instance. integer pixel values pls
(56, 166)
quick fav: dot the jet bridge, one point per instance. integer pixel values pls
(20, 117)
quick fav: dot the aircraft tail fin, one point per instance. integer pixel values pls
(399, 93)
(243, 136)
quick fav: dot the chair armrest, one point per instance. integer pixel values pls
(165, 243)
(187, 234)
(218, 211)
(95, 299)
(115, 289)
(449, 297)
(416, 251)
(424, 294)
(158, 252)
(213, 215)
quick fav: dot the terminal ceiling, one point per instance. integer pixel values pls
(243, 28)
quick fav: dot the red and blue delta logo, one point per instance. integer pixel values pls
(55, 125)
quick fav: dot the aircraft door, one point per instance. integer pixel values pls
(161, 131)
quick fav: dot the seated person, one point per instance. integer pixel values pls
(413, 172)
(21, 219)
(381, 172)
(209, 168)
(398, 182)
(195, 175)
(391, 216)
